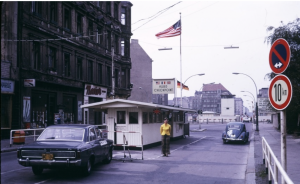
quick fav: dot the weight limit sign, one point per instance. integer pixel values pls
(280, 92)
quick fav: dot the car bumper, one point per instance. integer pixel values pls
(233, 139)
(49, 163)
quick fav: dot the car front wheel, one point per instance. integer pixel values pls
(87, 168)
(224, 141)
(108, 158)
(37, 170)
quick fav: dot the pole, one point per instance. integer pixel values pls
(112, 73)
(256, 117)
(180, 61)
(283, 141)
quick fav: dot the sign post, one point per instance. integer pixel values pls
(280, 90)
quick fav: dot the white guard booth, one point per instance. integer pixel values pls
(139, 122)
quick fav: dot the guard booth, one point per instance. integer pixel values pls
(139, 122)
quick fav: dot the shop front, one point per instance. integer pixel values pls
(94, 94)
(7, 94)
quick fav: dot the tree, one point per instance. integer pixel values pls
(291, 33)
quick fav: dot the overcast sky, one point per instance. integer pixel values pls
(208, 27)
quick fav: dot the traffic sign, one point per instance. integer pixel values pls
(279, 56)
(280, 92)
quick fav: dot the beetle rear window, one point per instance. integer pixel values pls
(234, 127)
(70, 134)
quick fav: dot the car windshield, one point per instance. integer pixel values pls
(69, 134)
(237, 127)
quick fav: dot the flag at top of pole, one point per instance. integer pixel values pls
(172, 31)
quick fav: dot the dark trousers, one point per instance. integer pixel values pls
(165, 144)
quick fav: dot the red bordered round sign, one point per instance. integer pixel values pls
(280, 92)
(279, 56)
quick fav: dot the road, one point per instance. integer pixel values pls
(200, 158)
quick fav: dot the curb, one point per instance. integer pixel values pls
(8, 150)
(198, 130)
(250, 168)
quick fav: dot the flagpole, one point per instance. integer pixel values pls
(180, 61)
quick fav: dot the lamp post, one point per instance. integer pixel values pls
(146, 93)
(185, 82)
(256, 108)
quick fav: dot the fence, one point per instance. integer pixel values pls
(125, 143)
(269, 159)
(34, 134)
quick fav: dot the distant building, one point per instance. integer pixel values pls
(264, 106)
(238, 103)
(160, 99)
(141, 73)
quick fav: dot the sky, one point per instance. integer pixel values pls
(208, 27)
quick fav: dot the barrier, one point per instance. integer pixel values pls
(125, 143)
(269, 159)
(34, 134)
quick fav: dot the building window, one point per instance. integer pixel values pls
(145, 117)
(108, 8)
(79, 68)
(53, 12)
(99, 73)
(116, 75)
(122, 46)
(116, 11)
(90, 30)
(37, 7)
(121, 117)
(36, 56)
(6, 110)
(67, 65)
(67, 19)
(52, 59)
(123, 78)
(133, 118)
(116, 44)
(108, 76)
(79, 24)
(151, 115)
(123, 16)
(99, 35)
(108, 40)
(90, 71)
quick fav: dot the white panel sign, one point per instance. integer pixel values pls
(29, 82)
(163, 86)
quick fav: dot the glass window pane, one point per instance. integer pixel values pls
(133, 118)
(120, 117)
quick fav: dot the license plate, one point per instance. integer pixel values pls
(47, 156)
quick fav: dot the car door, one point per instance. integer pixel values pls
(94, 142)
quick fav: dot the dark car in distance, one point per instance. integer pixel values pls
(235, 131)
(66, 146)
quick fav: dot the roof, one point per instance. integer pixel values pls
(121, 103)
(70, 125)
(213, 87)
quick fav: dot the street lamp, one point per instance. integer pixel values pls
(185, 82)
(165, 49)
(146, 93)
(256, 108)
(231, 47)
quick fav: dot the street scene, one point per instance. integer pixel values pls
(148, 92)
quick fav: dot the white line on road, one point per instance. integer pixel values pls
(14, 170)
(43, 181)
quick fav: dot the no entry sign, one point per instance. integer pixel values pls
(279, 56)
(280, 92)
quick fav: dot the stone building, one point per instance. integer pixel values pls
(238, 103)
(56, 56)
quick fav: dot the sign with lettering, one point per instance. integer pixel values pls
(164, 86)
(7, 86)
(95, 91)
(29, 82)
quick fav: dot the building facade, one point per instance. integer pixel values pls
(264, 106)
(238, 106)
(60, 55)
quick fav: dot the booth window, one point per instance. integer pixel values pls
(145, 117)
(151, 117)
(133, 118)
(159, 118)
(120, 117)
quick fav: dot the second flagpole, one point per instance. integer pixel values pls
(180, 62)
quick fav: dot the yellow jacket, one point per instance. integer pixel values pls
(165, 129)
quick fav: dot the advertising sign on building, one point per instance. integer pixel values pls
(7, 86)
(164, 86)
(26, 109)
(29, 82)
(95, 91)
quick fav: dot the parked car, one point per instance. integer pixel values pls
(235, 131)
(66, 145)
(246, 119)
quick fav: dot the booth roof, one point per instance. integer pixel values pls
(121, 103)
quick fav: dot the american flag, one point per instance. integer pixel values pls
(174, 30)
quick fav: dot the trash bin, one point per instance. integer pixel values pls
(27, 125)
(18, 139)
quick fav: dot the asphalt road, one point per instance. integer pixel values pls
(200, 158)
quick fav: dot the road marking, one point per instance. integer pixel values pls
(43, 181)
(176, 149)
(13, 170)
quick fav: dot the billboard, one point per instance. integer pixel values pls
(164, 86)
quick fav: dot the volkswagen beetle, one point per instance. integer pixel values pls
(66, 146)
(235, 131)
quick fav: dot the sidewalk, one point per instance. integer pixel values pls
(5, 144)
(272, 136)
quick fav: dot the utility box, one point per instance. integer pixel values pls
(17, 139)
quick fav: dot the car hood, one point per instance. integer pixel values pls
(53, 144)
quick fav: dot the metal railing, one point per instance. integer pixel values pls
(14, 137)
(273, 165)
